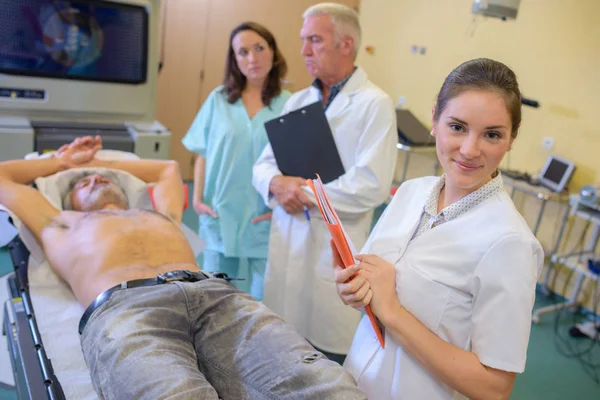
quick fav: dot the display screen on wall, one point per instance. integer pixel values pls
(84, 40)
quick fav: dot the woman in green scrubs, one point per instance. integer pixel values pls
(229, 135)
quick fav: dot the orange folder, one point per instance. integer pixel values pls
(339, 239)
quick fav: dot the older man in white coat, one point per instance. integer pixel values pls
(299, 281)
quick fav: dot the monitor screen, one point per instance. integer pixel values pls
(411, 131)
(556, 171)
(87, 40)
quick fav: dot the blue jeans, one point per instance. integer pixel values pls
(203, 340)
(252, 270)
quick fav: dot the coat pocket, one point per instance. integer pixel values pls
(423, 297)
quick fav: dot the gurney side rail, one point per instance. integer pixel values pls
(20, 258)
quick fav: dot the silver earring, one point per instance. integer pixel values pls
(431, 133)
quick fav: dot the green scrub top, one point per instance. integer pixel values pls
(231, 142)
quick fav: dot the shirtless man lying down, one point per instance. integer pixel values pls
(156, 326)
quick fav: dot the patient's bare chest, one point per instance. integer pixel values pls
(108, 239)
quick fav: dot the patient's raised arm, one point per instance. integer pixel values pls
(29, 205)
(169, 196)
(73, 155)
(25, 172)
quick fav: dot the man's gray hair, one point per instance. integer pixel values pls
(67, 199)
(345, 21)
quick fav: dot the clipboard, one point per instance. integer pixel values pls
(342, 242)
(303, 144)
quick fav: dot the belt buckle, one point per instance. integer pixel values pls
(173, 276)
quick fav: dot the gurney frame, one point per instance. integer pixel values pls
(34, 376)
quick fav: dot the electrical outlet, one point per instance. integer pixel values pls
(547, 143)
(401, 101)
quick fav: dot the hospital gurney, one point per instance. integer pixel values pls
(34, 376)
(42, 315)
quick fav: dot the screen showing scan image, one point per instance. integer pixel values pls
(87, 40)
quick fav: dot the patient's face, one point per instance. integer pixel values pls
(95, 192)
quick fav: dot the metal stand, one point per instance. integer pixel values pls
(539, 192)
(573, 261)
(414, 149)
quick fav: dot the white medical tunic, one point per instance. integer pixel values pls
(299, 280)
(468, 274)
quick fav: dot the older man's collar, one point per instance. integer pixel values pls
(335, 88)
(339, 84)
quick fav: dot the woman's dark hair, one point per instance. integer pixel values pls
(483, 74)
(235, 82)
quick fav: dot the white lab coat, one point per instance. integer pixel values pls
(299, 283)
(470, 280)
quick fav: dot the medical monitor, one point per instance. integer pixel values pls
(411, 131)
(88, 40)
(80, 60)
(556, 173)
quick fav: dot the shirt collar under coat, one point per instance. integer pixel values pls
(357, 80)
(463, 205)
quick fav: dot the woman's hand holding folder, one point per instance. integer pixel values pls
(343, 252)
(354, 290)
(381, 277)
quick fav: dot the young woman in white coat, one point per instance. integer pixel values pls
(451, 267)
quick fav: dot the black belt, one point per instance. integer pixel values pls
(167, 277)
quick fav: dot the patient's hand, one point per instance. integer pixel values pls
(79, 152)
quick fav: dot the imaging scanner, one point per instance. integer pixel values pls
(20, 136)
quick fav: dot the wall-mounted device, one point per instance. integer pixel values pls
(503, 9)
